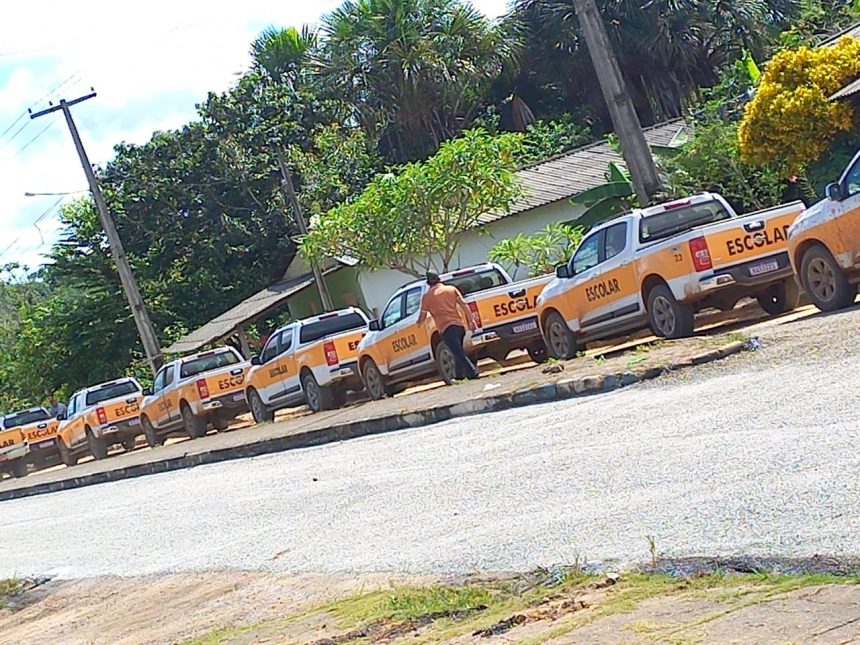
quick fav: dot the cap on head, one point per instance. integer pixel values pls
(432, 277)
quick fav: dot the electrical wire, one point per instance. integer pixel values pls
(35, 223)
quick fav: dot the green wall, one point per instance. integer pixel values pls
(343, 287)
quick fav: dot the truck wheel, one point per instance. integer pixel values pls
(446, 365)
(66, 455)
(780, 298)
(560, 341)
(538, 352)
(318, 398)
(19, 468)
(220, 422)
(195, 427)
(98, 446)
(339, 396)
(259, 411)
(152, 437)
(374, 382)
(668, 317)
(824, 281)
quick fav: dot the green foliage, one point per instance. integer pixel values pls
(539, 253)
(547, 138)
(607, 200)
(711, 161)
(411, 220)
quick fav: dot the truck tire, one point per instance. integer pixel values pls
(259, 410)
(538, 352)
(374, 381)
(446, 365)
(318, 398)
(195, 427)
(668, 317)
(560, 341)
(66, 455)
(19, 468)
(98, 446)
(824, 281)
(153, 439)
(780, 298)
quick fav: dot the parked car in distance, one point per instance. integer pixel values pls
(40, 431)
(98, 417)
(824, 243)
(191, 392)
(311, 361)
(14, 450)
(657, 266)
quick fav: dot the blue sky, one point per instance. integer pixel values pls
(150, 64)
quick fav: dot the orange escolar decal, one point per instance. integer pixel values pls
(753, 241)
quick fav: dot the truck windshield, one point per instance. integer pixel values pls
(112, 391)
(680, 220)
(24, 418)
(473, 281)
(331, 326)
(206, 363)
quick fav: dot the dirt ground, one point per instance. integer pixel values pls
(245, 607)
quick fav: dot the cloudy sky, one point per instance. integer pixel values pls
(150, 63)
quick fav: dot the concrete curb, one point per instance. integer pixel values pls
(564, 389)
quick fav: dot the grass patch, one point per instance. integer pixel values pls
(448, 611)
(9, 587)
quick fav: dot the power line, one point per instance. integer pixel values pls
(33, 140)
(35, 223)
(50, 94)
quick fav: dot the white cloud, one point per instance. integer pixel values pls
(149, 62)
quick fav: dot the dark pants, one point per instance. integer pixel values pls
(453, 337)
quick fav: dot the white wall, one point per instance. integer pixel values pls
(378, 286)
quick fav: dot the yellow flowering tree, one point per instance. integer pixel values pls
(791, 121)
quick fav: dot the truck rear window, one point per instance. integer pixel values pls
(111, 391)
(469, 283)
(23, 418)
(207, 363)
(331, 326)
(680, 220)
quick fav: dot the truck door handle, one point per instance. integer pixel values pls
(754, 226)
(517, 294)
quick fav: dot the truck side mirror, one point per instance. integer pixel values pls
(147, 391)
(255, 360)
(374, 325)
(61, 416)
(563, 271)
(834, 192)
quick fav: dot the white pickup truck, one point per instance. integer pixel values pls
(657, 266)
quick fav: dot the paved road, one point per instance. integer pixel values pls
(756, 455)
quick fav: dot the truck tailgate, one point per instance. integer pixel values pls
(510, 304)
(9, 438)
(346, 345)
(122, 408)
(226, 381)
(745, 238)
(43, 431)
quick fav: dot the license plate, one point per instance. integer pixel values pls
(45, 444)
(133, 422)
(764, 267)
(238, 397)
(529, 326)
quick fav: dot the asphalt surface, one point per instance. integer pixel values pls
(755, 455)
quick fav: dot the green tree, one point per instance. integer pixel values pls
(412, 220)
(539, 253)
(414, 72)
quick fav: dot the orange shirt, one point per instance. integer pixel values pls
(441, 303)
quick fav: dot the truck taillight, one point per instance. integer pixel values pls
(330, 354)
(100, 413)
(476, 315)
(202, 389)
(700, 253)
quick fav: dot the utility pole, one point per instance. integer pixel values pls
(635, 149)
(138, 309)
(288, 194)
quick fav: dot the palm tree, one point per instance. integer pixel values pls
(414, 71)
(283, 55)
